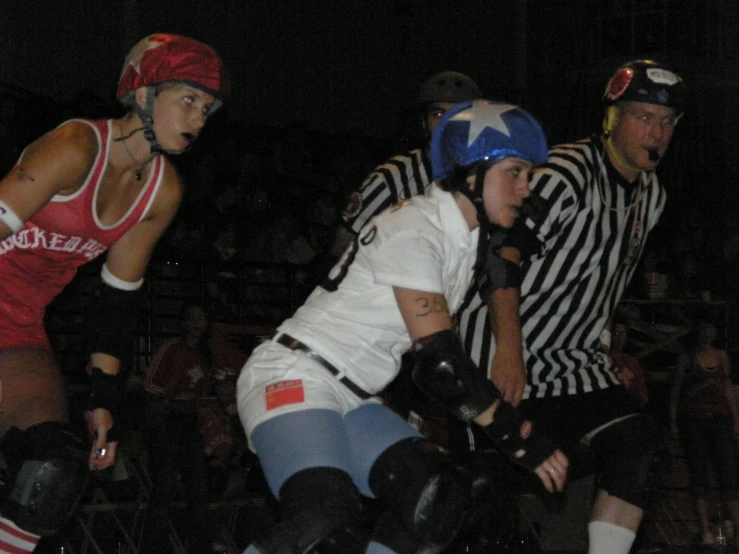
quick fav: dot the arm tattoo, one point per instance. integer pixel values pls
(427, 306)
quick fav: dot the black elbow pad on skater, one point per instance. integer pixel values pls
(110, 325)
(444, 372)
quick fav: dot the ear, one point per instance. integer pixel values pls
(140, 96)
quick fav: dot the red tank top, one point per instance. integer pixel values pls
(42, 258)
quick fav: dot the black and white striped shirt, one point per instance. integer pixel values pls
(592, 235)
(398, 179)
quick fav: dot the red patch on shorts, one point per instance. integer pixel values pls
(284, 393)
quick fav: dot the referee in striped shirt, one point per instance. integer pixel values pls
(599, 199)
(404, 175)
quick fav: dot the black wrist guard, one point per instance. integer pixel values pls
(499, 273)
(505, 430)
(105, 390)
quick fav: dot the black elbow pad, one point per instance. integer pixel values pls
(444, 372)
(110, 325)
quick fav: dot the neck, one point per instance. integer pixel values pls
(129, 133)
(469, 212)
(629, 172)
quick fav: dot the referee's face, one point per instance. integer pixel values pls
(433, 114)
(505, 186)
(638, 129)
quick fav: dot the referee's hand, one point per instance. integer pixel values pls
(509, 375)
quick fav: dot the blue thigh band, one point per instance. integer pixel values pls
(372, 429)
(296, 441)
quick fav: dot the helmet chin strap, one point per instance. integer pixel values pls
(474, 194)
(147, 119)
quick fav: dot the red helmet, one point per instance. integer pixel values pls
(163, 57)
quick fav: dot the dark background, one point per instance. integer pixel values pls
(354, 66)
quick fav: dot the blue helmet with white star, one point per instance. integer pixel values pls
(485, 131)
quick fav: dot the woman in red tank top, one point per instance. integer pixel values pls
(82, 189)
(704, 415)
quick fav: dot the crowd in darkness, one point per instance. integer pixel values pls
(256, 194)
(267, 195)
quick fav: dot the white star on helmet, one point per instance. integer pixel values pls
(483, 114)
(138, 51)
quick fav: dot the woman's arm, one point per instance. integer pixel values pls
(56, 163)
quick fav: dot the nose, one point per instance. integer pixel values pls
(522, 186)
(657, 129)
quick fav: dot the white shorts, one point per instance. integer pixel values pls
(277, 380)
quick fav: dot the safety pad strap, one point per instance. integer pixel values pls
(505, 430)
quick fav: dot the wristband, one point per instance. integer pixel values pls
(105, 390)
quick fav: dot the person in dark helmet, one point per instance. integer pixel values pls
(81, 190)
(407, 174)
(307, 399)
(537, 333)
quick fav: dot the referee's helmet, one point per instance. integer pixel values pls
(646, 81)
(448, 86)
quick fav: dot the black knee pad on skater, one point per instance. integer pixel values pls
(48, 467)
(425, 490)
(628, 450)
(320, 511)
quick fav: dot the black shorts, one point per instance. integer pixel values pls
(567, 419)
(564, 419)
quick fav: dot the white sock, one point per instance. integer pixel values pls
(606, 538)
(13, 539)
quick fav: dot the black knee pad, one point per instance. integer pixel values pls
(48, 468)
(629, 452)
(426, 491)
(320, 511)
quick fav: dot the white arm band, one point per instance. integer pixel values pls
(110, 279)
(10, 218)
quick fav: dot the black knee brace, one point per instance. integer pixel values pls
(320, 510)
(48, 466)
(628, 449)
(427, 493)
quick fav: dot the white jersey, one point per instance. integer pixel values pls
(423, 243)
